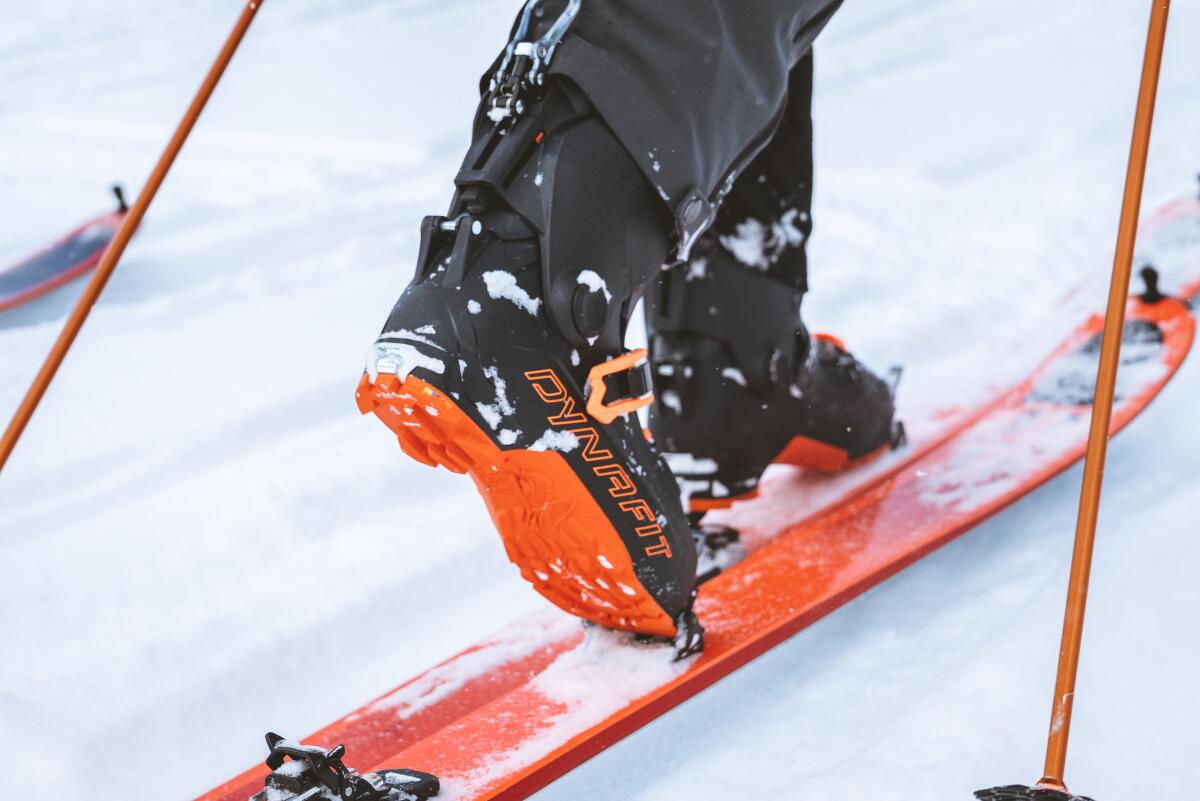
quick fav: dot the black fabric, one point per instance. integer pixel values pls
(775, 191)
(694, 89)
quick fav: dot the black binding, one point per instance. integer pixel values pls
(309, 772)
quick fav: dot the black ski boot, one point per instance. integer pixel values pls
(741, 384)
(504, 357)
(310, 773)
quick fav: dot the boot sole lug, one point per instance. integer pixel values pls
(552, 528)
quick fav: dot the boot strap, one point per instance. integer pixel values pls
(619, 387)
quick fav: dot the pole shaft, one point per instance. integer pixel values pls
(1110, 351)
(112, 255)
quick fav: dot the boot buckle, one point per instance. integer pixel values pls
(629, 374)
(523, 67)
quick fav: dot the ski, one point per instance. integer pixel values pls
(520, 651)
(507, 717)
(63, 261)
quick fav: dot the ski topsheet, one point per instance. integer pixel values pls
(508, 716)
(63, 261)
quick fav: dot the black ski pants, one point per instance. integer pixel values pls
(712, 99)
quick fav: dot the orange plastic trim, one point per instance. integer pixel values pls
(814, 454)
(606, 413)
(823, 337)
(713, 504)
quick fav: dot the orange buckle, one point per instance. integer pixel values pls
(633, 368)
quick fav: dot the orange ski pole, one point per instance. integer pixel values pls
(1097, 449)
(108, 262)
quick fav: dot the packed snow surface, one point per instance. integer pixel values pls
(201, 540)
(585, 684)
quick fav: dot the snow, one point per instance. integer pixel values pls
(503, 285)
(201, 540)
(494, 413)
(749, 244)
(420, 335)
(552, 440)
(399, 359)
(500, 386)
(490, 412)
(592, 280)
(757, 246)
(291, 767)
(279, 794)
(734, 374)
(690, 465)
(607, 670)
(400, 778)
(672, 400)
(518, 640)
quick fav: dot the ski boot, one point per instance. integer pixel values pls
(1017, 792)
(742, 385)
(308, 773)
(504, 360)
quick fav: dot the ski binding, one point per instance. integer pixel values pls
(311, 773)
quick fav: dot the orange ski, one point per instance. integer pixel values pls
(604, 688)
(509, 716)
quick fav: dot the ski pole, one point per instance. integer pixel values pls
(108, 262)
(1051, 784)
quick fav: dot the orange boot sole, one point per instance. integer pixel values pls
(552, 528)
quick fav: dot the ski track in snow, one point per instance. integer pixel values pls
(201, 540)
